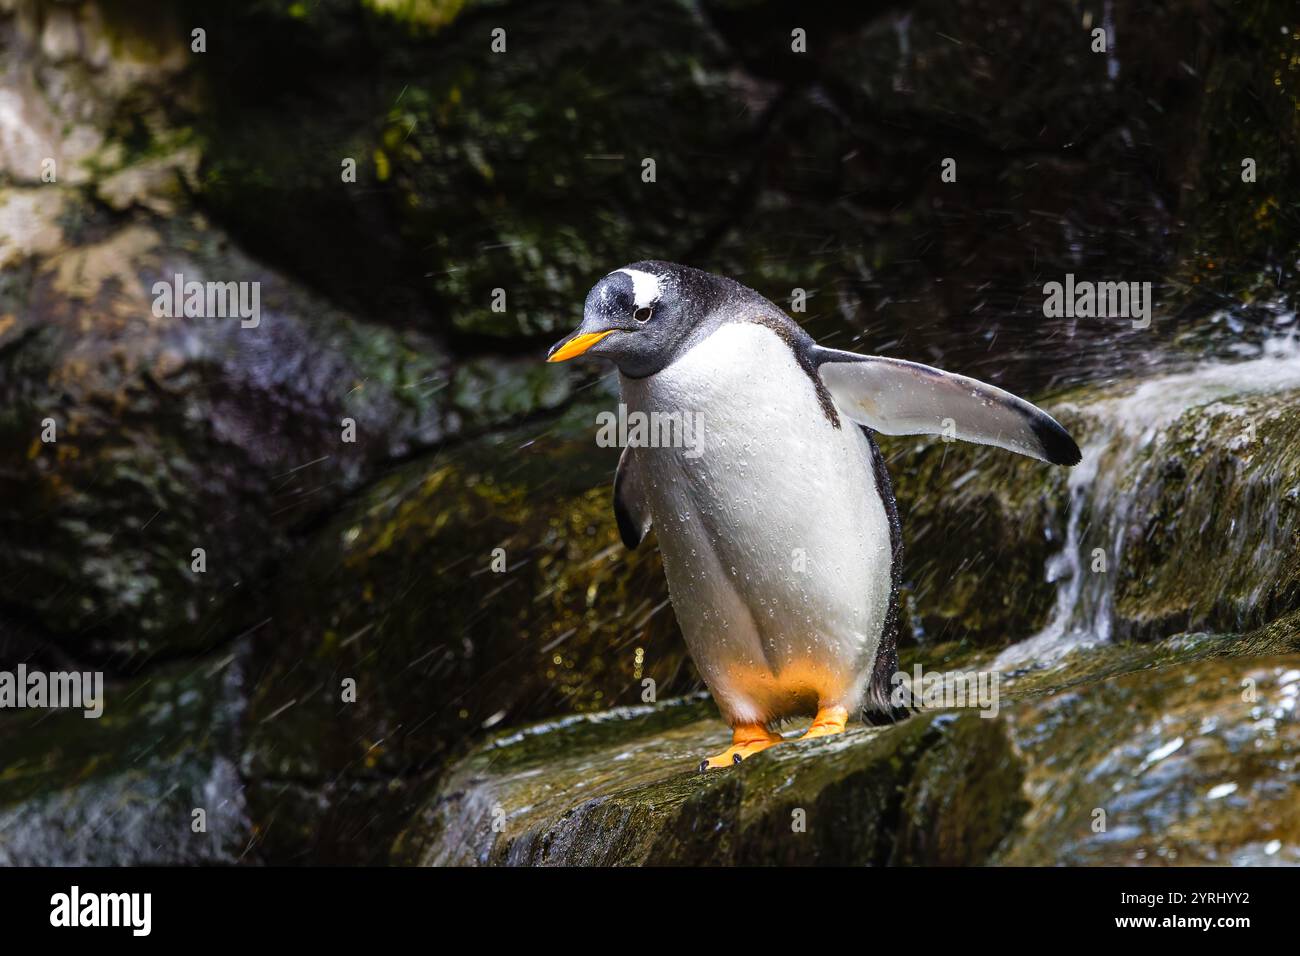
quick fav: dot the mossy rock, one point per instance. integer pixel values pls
(1176, 764)
(964, 797)
(122, 790)
(979, 526)
(560, 629)
(622, 788)
(1212, 536)
(1185, 769)
(173, 434)
(484, 585)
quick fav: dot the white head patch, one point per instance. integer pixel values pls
(645, 287)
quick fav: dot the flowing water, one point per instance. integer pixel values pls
(1120, 459)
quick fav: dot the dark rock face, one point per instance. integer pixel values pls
(481, 586)
(174, 434)
(155, 780)
(134, 433)
(1008, 514)
(817, 170)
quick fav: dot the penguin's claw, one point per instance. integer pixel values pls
(829, 720)
(746, 740)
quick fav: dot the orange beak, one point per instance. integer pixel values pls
(577, 345)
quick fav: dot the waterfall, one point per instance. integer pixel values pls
(1121, 463)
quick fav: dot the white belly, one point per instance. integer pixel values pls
(774, 539)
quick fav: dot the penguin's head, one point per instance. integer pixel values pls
(641, 317)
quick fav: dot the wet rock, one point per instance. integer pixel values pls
(1186, 770)
(1185, 480)
(172, 433)
(1187, 765)
(448, 136)
(979, 527)
(463, 132)
(847, 201)
(622, 788)
(474, 588)
(964, 797)
(121, 790)
(134, 432)
(384, 640)
(831, 180)
(1215, 510)
(482, 649)
(1181, 516)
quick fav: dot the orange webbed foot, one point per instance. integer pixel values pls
(829, 720)
(746, 740)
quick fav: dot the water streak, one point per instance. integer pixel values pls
(1117, 464)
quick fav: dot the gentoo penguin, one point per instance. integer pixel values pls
(778, 529)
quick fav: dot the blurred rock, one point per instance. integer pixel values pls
(979, 527)
(173, 432)
(448, 137)
(121, 790)
(816, 170)
(472, 589)
(176, 433)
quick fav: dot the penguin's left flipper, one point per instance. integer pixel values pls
(895, 397)
(631, 510)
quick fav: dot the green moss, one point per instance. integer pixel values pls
(1214, 508)
(978, 528)
(421, 14)
(964, 798)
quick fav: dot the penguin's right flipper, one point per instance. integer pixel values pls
(631, 510)
(895, 397)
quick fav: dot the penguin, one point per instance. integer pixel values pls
(779, 533)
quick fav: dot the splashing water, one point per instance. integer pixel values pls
(1116, 466)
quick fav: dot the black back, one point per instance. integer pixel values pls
(876, 708)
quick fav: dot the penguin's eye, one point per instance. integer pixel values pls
(643, 314)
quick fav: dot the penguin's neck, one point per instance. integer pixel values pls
(730, 369)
